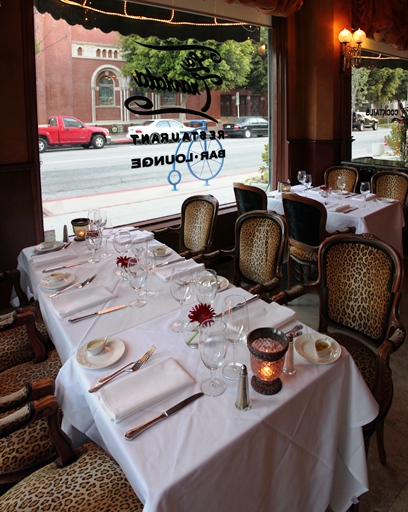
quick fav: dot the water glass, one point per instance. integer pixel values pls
(213, 348)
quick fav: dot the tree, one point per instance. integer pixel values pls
(385, 82)
(359, 77)
(258, 76)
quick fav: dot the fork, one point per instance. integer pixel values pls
(131, 367)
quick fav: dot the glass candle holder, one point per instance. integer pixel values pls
(80, 227)
(267, 349)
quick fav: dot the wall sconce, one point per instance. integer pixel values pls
(351, 47)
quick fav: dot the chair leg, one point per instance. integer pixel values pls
(380, 442)
(289, 271)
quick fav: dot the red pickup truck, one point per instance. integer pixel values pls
(69, 131)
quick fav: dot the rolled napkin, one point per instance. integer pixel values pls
(337, 207)
(74, 301)
(165, 272)
(48, 259)
(361, 197)
(148, 386)
(272, 315)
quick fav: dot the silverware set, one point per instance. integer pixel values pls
(87, 281)
(130, 367)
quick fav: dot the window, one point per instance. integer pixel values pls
(106, 91)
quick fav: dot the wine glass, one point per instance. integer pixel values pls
(206, 286)
(137, 280)
(235, 317)
(146, 259)
(122, 241)
(341, 183)
(213, 347)
(181, 288)
(301, 176)
(106, 232)
(94, 217)
(93, 242)
(365, 190)
(308, 182)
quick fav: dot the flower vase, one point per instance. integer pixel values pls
(191, 333)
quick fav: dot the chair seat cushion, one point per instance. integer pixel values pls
(15, 348)
(365, 360)
(93, 483)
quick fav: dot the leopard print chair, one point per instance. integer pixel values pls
(83, 480)
(306, 221)
(196, 231)
(260, 240)
(29, 448)
(19, 344)
(391, 184)
(350, 173)
(249, 198)
(360, 286)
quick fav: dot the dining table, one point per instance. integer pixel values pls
(382, 217)
(299, 449)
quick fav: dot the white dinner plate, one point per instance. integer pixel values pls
(167, 252)
(222, 283)
(56, 246)
(387, 199)
(111, 353)
(305, 347)
(66, 281)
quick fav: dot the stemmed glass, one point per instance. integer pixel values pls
(122, 241)
(213, 347)
(301, 176)
(235, 317)
(146, 260)
(181, 288)
(106, 232)
(93, 241)
(365, 190)
(308, 182)
(341, 183)
(206, 286)
(137, 280)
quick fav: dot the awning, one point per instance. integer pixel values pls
(135, 18)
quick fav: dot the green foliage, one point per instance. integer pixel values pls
(397, 140)
(384, 83)
(359, 77)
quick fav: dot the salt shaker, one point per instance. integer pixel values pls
(289, 367)
(65, 238)
(242, 402)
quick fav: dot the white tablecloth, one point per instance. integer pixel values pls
(385, 220)
(301, 449)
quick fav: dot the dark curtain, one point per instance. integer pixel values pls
(384, 20)
(273, 7)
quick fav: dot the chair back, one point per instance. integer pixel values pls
(361, 283)
(350, 173)
(260, 238)
(198, 218)
(391, 184)
(249, 198)
(306, 221)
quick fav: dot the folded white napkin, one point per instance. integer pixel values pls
(141, 236)
(143, 388)
(74, 301)
(337, 207)
(272, 315)
(165, 272)
(361, 197)
(48, 259)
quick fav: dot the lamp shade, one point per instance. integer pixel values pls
(345, 36)
(359, 36)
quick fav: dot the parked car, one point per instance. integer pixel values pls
(154, 127)
(362, 121)
(246, 127)
(70, 131)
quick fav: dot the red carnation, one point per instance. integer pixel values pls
(122, 261)
(201, 313)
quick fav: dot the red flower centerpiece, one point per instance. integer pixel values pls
(199, 314)
(122, 261)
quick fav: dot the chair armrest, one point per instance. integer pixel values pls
(31, 391)
(286, 296)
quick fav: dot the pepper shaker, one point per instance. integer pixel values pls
(242, 402)
(289, 367)
(65, 238)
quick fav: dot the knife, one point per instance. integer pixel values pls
(75, 285)
(246, 301)
(130, 434)
(65, 266)
(100, 312)
(177, 260)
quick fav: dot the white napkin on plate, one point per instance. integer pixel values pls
(74, 301)
(143, 388)
(272, 315)
(142, 236)
(361, 197)
(50, 258)
(337, 207)
(165, 272)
